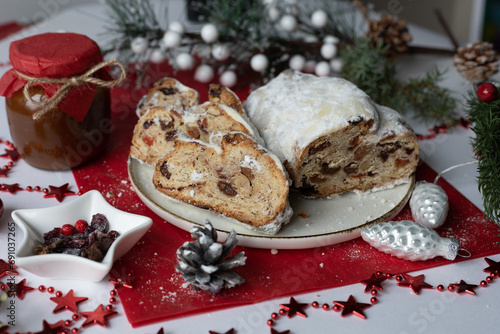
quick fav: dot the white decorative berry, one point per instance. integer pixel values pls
(209, 33)
(322, 69)
(429, 204)
(273, 13)
(329, 39)
(288, 23)
(139, 45)
(336, 65)
(157, 56)
(177, 27)
(328, 51)
(409, 241)
(297, 62)
(319, 18)
(184, 61)
(171, 39)
(221, 52)
(228, 78)
(259, 62)
(204, 73)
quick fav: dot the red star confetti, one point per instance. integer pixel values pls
(274, 331)
(231, 331)
(494, 266)
(464, 287)
(18, 289)
(160, 331)
(59, 192)
(416, 283)
(7, 269)
(56, 328)
(294, 308)
(12, 154)
(374, 282)
(12, 188)
(68, 302)
(122, 280)
(352, 306)
(98, 316)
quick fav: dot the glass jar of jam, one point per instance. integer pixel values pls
(74, 130)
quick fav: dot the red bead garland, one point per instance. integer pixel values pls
(487, 92)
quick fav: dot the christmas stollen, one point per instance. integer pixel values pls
(330, 135)
(237, 178)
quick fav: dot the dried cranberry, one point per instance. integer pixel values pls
(68, 229)
(99, 222)
(81, 225)
(78, 243)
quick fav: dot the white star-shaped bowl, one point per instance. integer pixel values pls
(35, 222)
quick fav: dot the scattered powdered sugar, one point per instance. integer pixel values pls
(251, 162)
(195, 176)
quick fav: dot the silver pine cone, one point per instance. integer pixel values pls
(204, 263)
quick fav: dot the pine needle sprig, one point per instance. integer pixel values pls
(485, 119)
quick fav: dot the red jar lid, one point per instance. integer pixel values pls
(55, 55)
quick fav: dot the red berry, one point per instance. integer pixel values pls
(487, 92)
(67, 229)
(81, 225)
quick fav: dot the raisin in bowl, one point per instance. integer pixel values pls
(34, 223)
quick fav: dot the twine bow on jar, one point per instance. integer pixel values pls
(68, 84)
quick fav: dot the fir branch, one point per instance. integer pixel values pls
(485, 119)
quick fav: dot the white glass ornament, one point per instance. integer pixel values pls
(329, 39)
(209, 33)
(177, 27)
(288, 23)
(204, 73)
(336, 65)
(328, 51)
(228, 78)
(322, 69)
(297, 62)
(157, 56)
(184, 61)
(139, 45)
(171, 39)
(429, 204)
(319, 18)
(259, 62)
(410, 241)
(273, 13)
(221, 52)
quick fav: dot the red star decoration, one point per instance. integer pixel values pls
(56, 328)
(294, 308)
(7, 268)
(3, 172)
(274, 331)
(494, 266)
(231, 331)
(12, 154)
(464, 287)
(59, 192)
(67, 302)
(374, 282)
(416, 283)
(352, 306)
(19, 289)
(12, 188)
(98, 316)
(160, 331)
(122, 280)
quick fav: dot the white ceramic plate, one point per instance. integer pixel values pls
(35, 222)
(329, 221)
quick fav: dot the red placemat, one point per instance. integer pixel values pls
(159, 292)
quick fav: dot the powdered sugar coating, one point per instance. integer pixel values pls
(294, 109)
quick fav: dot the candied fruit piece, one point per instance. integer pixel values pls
(100, 222)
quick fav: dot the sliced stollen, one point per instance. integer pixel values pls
(155, 131)
(224, 95)
(238, 179)
(330, 135)
(168, 93)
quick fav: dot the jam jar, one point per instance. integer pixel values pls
(75, 129)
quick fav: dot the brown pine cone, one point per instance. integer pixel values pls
(391, 32)
(476, 62)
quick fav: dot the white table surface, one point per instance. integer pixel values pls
(398, 311)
